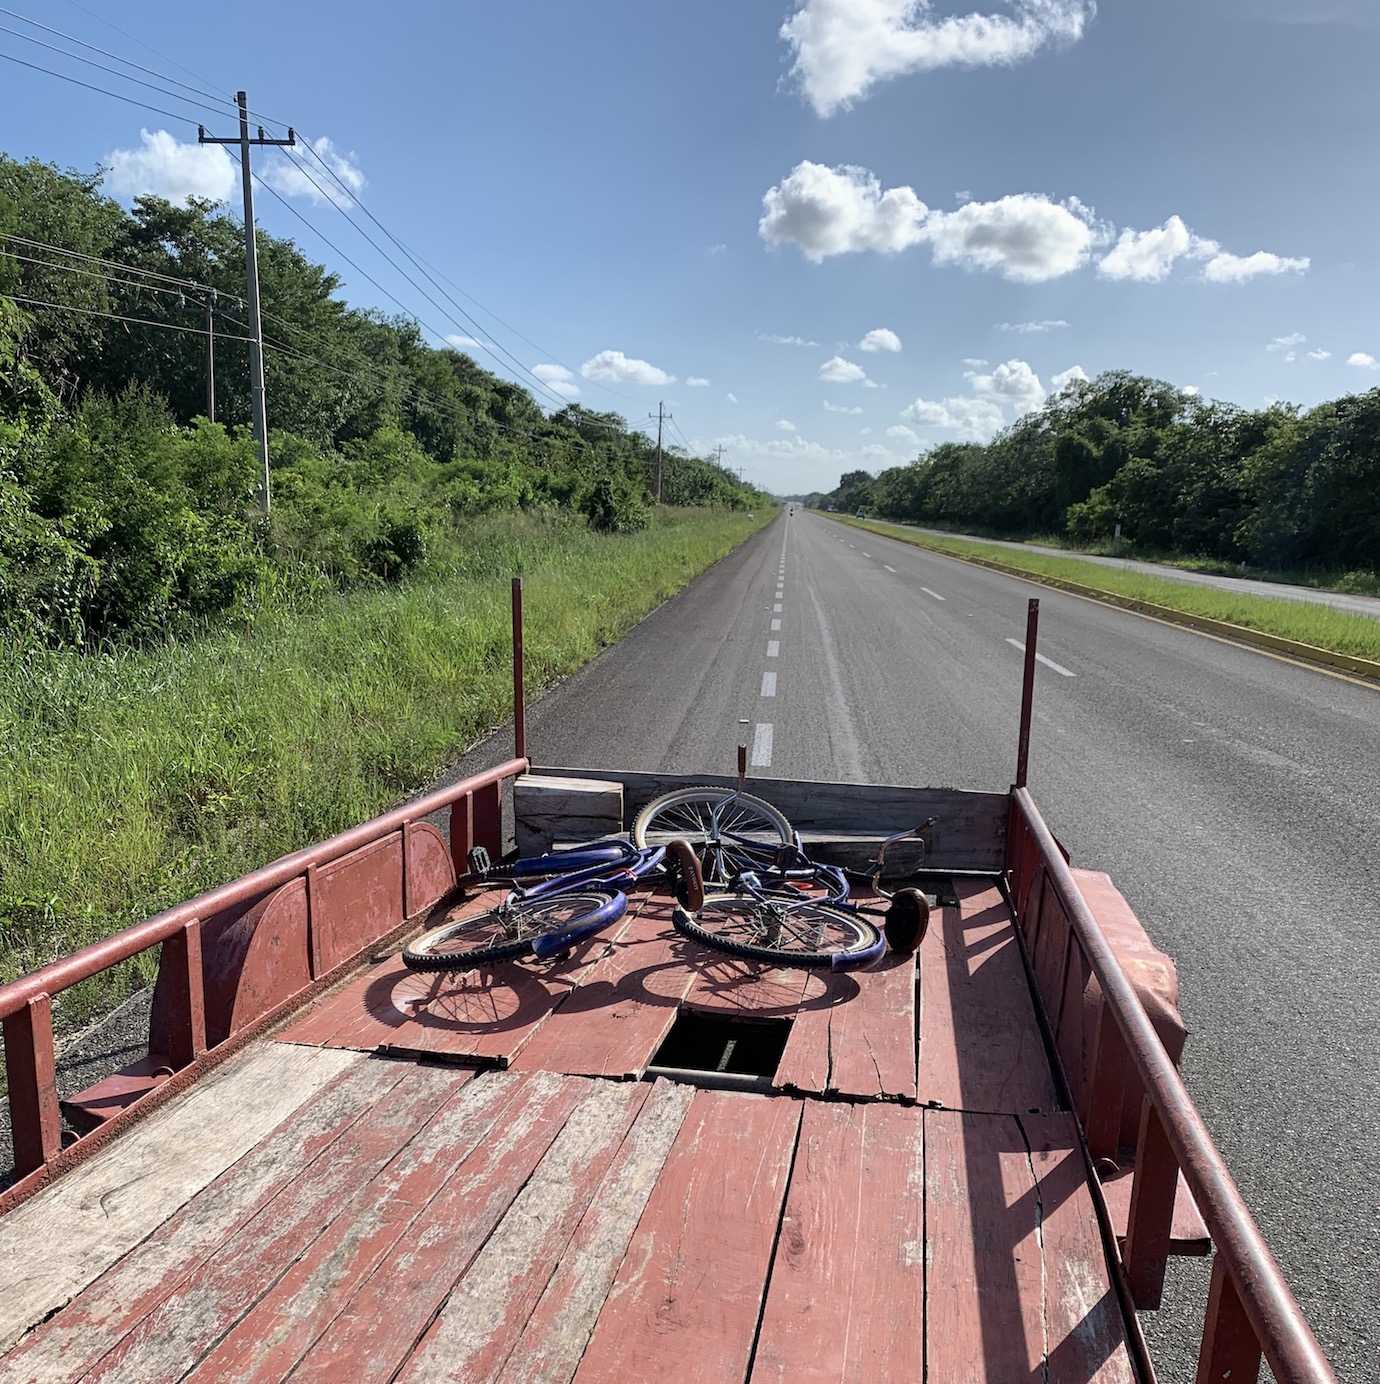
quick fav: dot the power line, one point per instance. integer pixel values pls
(96, 274)
(97, 259)
(104, 91)
(119, 317)
(124, 33)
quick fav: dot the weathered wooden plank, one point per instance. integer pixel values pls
(548, 809)
(107, 1205)
(376, 1329)
(728, 985)
(623, 1007)
(554, 1338)
(1017, 1286)
(980, 1044)
(690, 1287)
(479, 1325)
(66, 1344)
(969, 833)
(846, 1297)
(282, 1326)
(222, 1289)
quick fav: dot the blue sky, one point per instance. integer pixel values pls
(655, 189)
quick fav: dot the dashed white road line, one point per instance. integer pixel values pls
(935, 594)
(775, 625)
(776, 609)
(769, 684)
(888, 567)
(867, 554)
(761, 745)
(1048, 662)
(773, 648)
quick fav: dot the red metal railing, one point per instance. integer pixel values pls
(26, 1004)
(1250, 1309)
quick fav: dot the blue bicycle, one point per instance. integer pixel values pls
(577, 893)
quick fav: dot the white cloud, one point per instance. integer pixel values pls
(1049, 324)
(1363, 360)
(1027, 238)
(613, 367)
(864, 432)
(1224, 268)
(1286, 343)
(839, 211)
(785, 425)
(289, 178)
(786, 340)
(1058, 383)
(974, 420)
(162, 166)
(842, 408)
(963, 195)
(696, 382)
(1149, 256)
(904, 433)
(837, 370)
(974, 362)
(557, 379)
(842, 48)
(718, 248)
(731, 397)
(1319, 354)
(1190, 391)
(466, 343)
(880, 339)
(1013, 383)
(872, 384)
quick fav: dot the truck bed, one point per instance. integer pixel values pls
(476, 1177)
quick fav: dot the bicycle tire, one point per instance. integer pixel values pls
(560, 921)
(691, 826)
(863, 942)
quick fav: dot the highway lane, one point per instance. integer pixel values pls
(1231, 795)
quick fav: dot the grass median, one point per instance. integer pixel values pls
(132, 780)
(1306, 622)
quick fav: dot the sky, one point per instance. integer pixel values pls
(826, 234)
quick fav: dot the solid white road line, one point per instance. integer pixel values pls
(769, 684)
(761, 745)
(773, 648)
(935, 594)
(1048, 662)
(775, 625)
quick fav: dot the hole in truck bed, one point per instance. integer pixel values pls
(718, 1049)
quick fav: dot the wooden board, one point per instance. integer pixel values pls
(554, 1337)
(1017, 1284)
(67, 1343)
(980, 1043)
(970, 833)
(106, 1206)
(690, 1286)
(846, 1299)
(221, 1290)
(548, 809)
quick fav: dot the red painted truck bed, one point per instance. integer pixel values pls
(908, 1200)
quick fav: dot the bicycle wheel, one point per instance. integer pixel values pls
(539, 927)
(730, 831)
(785, 933)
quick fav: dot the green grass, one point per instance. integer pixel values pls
(1306, 622)
(132, 780)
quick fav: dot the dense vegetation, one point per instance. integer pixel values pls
(1276, 488)
(125, 514)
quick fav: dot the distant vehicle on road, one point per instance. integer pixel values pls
(861, 514)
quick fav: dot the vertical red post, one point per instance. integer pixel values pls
(1230, 1351)
(742, 767)
(488, 818)
(519, 677)
(461, 833)
(1105, 1087)
(35, 1121)
(1152, 1211)
(181, 965)
(1032, 629)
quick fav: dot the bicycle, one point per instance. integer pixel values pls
(578, 893)
(769, 916)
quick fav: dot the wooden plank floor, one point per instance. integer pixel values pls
(427, 1223)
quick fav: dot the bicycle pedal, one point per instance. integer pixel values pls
(478, 861)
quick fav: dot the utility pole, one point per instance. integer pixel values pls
(719, 454)
(211, 357)
(251, 278)
(661, 417)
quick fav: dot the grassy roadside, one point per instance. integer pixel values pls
(132, 780)
(1319, 625)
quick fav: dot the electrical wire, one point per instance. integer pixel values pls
(120, 317)
(104, 91)
(113, 264)
(124, 33)
(97, 274)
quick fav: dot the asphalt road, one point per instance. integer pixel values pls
(1232, 796)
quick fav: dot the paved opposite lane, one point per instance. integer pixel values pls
(1231, 795)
